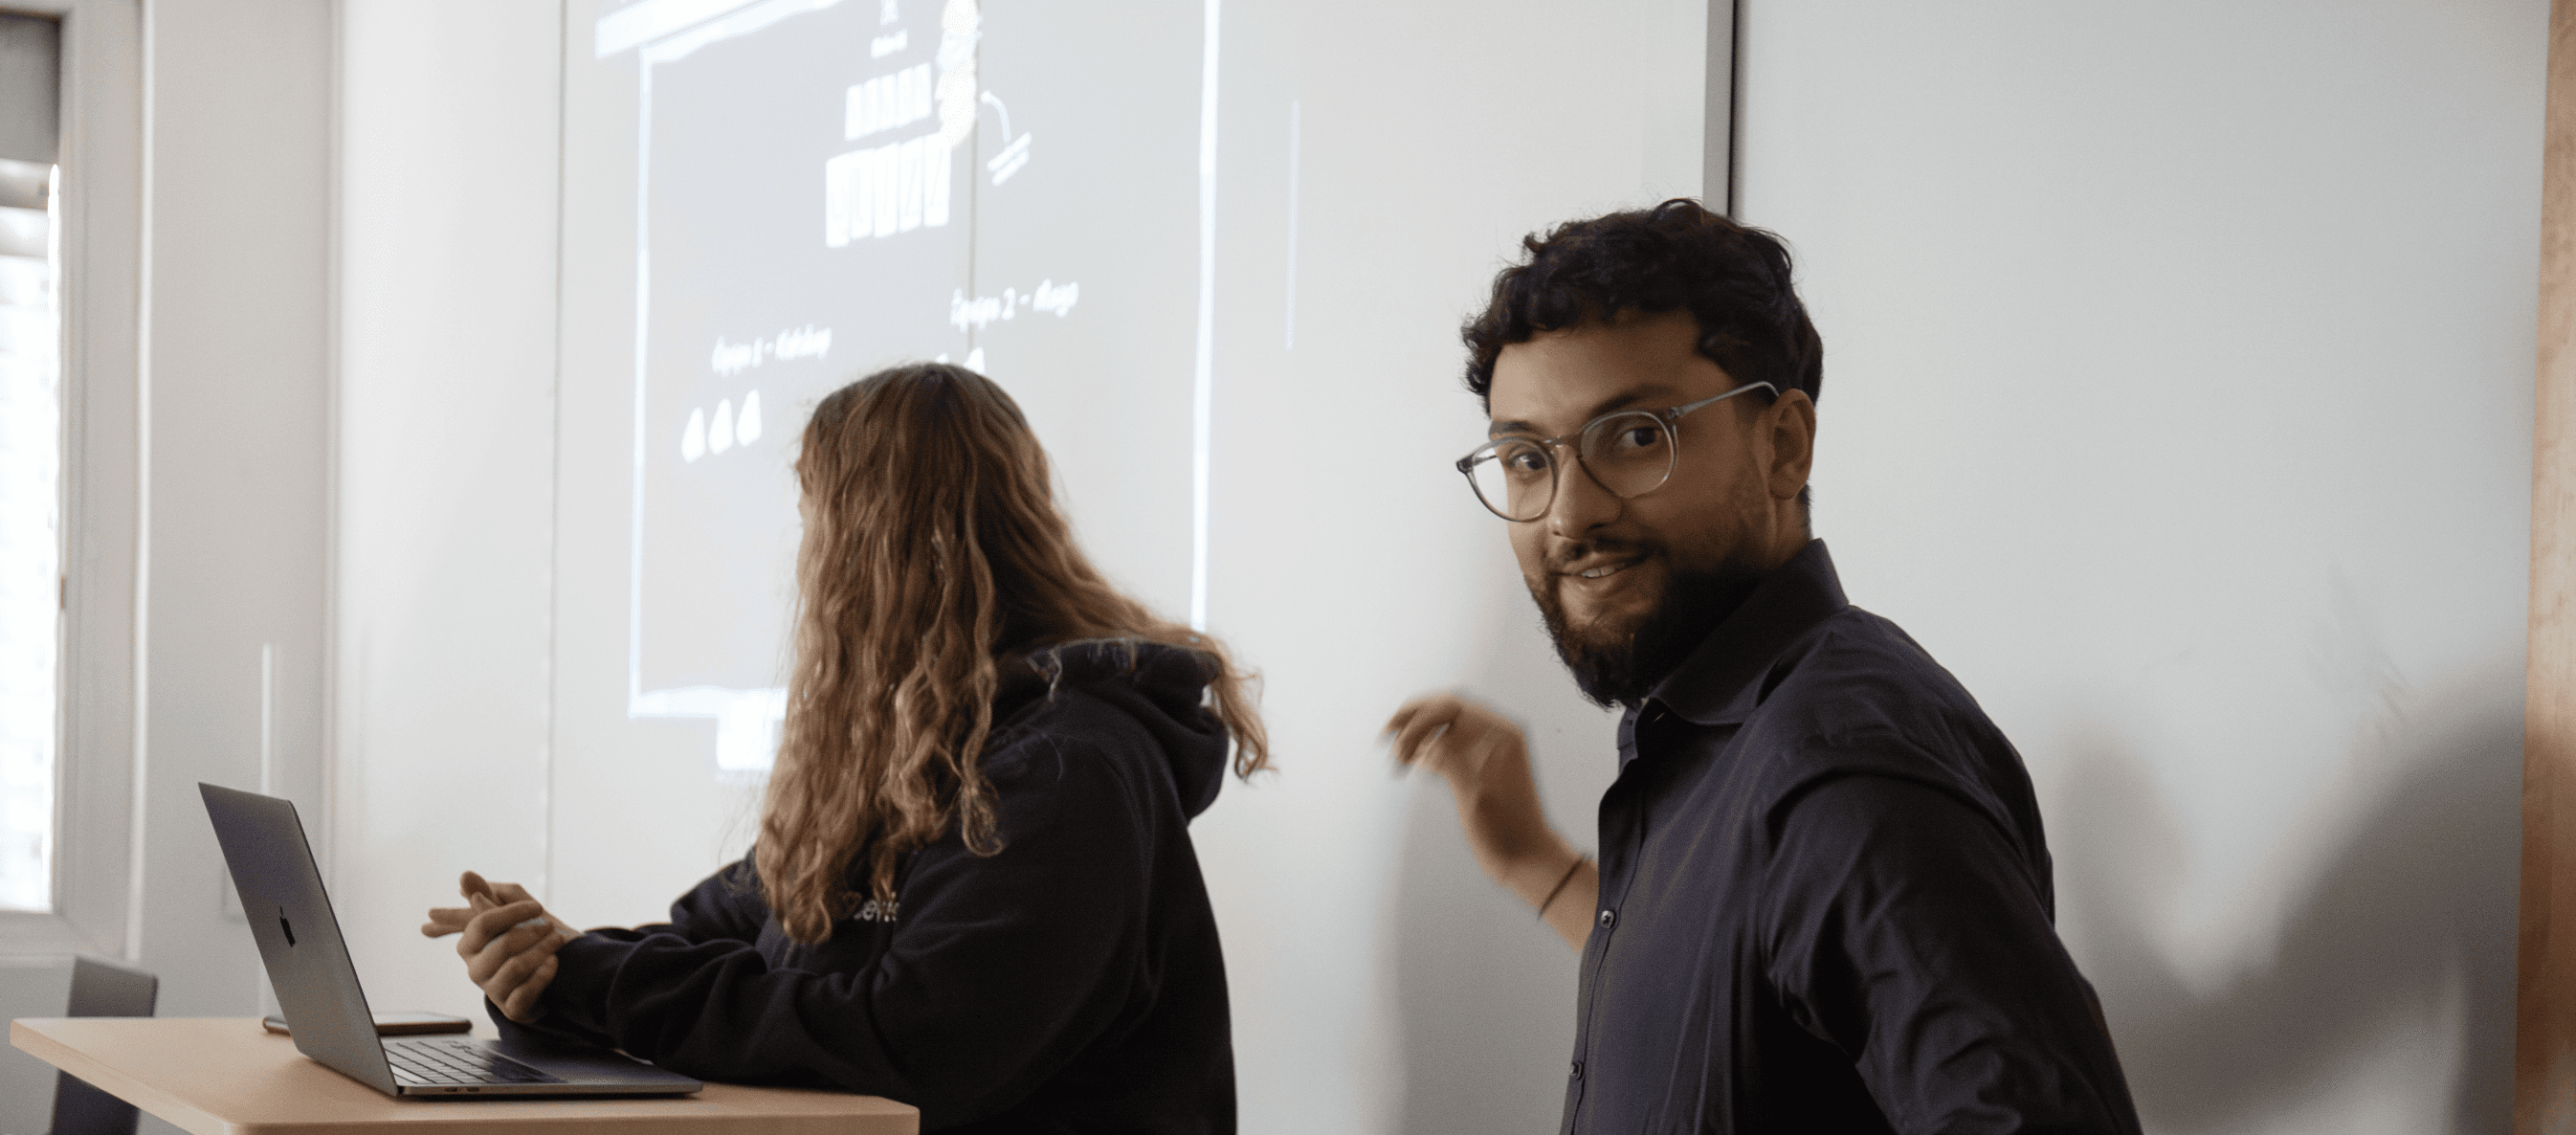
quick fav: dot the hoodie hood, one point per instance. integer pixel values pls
(1161, 687)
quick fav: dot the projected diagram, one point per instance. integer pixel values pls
(826, 187)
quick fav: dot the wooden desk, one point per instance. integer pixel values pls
(227, 1076)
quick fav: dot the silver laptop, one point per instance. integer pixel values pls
(317, 986)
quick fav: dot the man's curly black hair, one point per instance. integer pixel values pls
(1733, 279)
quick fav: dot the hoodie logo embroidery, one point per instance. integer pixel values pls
(875, 911)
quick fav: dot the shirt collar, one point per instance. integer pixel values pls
(1721, 682)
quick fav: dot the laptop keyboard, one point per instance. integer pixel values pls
(455, 1060)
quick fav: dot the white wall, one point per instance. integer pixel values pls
(238, 382)
(2178, 398)
(449, 153)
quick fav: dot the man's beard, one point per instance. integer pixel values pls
(1621, 665)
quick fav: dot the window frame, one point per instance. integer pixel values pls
(98, 747)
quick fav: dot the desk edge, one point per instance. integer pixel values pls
(159, 1104)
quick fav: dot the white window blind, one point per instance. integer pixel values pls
(31, 582)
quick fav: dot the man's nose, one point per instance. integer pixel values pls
(1581, 504)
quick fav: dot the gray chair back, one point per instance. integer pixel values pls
(100, 989)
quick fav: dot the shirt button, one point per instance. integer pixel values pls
(1578, 1070)
(1608, 918)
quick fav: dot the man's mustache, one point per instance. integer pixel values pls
(1559, 559)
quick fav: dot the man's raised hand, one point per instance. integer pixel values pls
(1485, 759)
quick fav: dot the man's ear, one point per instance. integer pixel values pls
(1791, 422)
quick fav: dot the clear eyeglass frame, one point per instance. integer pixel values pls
(1589, 447)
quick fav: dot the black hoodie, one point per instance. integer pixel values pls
(1070, 983)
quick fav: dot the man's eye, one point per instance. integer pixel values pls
(1635, 439)
(1525, 459)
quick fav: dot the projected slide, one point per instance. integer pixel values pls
(826, 187)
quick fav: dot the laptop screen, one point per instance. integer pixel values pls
(299, 938)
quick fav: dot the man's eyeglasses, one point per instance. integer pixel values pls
(1628, 452)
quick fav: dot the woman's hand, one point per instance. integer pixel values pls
(509, 942)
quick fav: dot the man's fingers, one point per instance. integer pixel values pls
(1403, 713)
(1433, 721)
(1435, 751)
(1453, 736)
(1417, 719)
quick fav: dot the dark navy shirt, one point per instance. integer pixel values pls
(1825, 900)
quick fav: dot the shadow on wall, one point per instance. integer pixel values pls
(1484, 993)
(2408, 927)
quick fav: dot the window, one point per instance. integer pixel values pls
(71, 392)
(31, 429)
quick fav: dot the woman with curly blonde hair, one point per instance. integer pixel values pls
(974, 889)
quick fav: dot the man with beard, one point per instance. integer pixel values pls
(1823, 902)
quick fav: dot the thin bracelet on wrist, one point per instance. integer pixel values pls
(1559, 888)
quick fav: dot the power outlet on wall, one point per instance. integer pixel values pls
(228, 901)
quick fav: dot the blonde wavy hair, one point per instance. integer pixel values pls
(933, 558)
